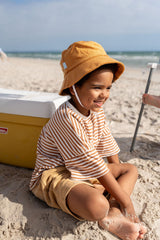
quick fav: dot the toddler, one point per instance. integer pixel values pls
(70, 172)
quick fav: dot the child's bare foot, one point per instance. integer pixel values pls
(123, 227)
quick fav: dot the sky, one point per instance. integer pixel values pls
(52, 25)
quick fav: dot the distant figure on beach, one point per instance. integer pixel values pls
(70, 170)
(3, 56)
(151, 100)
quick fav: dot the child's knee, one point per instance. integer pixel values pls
(97, 207)
(133, 169)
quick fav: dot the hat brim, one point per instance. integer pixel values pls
(91, 64)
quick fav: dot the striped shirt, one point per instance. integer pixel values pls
(75, 141)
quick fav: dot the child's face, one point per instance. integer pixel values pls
(94, 91)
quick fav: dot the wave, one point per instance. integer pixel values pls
(133, 59)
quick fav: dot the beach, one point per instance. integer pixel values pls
(24, 217)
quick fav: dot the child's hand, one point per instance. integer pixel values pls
(129, 213)
(145, 98)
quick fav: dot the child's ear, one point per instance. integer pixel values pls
(71, 91)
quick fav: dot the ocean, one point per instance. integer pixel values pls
(131, 59)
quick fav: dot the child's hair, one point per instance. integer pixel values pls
(113, 67)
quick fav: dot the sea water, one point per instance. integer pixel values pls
(130, 58)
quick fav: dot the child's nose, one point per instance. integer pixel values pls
(105, 93)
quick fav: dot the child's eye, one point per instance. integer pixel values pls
(97, 88)
(109, 87)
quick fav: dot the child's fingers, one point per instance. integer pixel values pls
(144, 98)
(130, 214)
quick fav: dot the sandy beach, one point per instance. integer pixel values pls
(24, 217)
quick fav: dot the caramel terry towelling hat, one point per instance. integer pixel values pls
(82, 58)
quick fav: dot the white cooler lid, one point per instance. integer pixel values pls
(28, 103)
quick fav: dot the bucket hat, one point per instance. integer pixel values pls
(83, 57)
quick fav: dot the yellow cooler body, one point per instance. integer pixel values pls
(22, 117)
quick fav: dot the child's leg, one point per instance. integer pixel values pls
(126, 175)
(90, 204)
(151, 100)
(87, 202)
(115, 222)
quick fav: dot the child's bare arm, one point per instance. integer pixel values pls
(113, 187)
(113, 159)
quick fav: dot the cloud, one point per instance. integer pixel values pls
(52, 24)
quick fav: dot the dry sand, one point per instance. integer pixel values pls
(22, 216)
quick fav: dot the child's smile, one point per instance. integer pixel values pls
(99, 103)
(94, 92)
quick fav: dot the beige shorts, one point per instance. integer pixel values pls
(54, 186)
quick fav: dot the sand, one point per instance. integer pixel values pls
(23, 217)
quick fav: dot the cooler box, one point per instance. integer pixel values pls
(22, 116)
